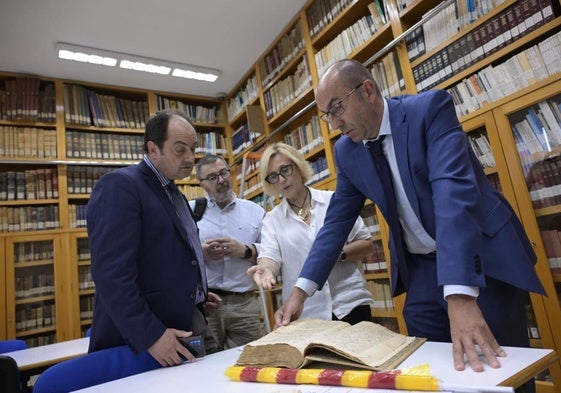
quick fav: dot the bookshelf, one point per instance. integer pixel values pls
(498, 60)
(57, 138)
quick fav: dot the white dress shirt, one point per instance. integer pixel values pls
(240, 220)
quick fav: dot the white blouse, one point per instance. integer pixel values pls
(287, 240)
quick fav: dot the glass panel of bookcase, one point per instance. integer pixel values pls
(34, 291)
(481, 147)
(537, 134)
(381, 291)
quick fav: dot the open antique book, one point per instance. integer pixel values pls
(365, 345)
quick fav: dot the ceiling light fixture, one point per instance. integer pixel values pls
(133, 62)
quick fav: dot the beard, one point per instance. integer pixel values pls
(223, 193)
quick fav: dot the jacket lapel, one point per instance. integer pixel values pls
(155, 186)
(400, 135)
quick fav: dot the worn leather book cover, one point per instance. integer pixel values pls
(366, 345)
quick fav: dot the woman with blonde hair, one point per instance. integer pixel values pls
(289, 231)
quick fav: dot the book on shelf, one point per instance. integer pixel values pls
(365, 345)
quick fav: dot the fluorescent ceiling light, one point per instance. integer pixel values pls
(133, 62)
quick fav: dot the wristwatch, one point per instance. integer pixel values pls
(248, 252)
(342, 256)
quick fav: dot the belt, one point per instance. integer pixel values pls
(221, 292)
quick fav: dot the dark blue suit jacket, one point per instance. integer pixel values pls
(143, 266)
(476, 231)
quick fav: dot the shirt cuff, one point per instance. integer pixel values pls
(306, 285)
(460, 290)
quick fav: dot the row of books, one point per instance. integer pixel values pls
(84, 106)
(30, 184)
(86, 307)
(196, 113)
(83, 249)
(306, 137)
(242, 138)
(251, 186)
(508, 25)
(105, 146)
(43, 339)
(552, 243)
(34, 316)
(533, 331)
(344, 43)
(191, 192)
(388, 75)
(77, 215)
(34, 283)
(381, 291)
(85, 277)
(82, 179)
(242, 98)
(27, 99)
(375, 262)
(322, 12)
(321, 171)
(537, 129)
(482, 149)
(27, 142)
(211, 143)
(34, 251)
(519, 71)
(544, 182)
(282, 54)
(446, 23)
(29, 218)
(287, 89)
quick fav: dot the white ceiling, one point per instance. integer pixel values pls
(226, 34)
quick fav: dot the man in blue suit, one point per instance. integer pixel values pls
(147, 260)
(459, 250)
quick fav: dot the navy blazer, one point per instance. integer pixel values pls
(143, 266)
(477, 232)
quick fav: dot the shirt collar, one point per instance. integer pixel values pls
(385, 127)
(163, 180)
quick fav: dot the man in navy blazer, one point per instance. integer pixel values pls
(146, 258)
(467, 263)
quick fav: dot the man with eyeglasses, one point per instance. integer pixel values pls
(457, 247)
(230, 231)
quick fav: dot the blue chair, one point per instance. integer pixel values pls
(12, 345)
(9, 375)
(94, 368)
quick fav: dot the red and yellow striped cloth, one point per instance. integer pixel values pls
(417, 378)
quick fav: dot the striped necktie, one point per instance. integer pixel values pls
(391, 214)
(180, 204)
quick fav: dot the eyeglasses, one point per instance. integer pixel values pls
(224, 173)
(337, 109)
(284, 171)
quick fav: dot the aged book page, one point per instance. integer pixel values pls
(365, 345)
